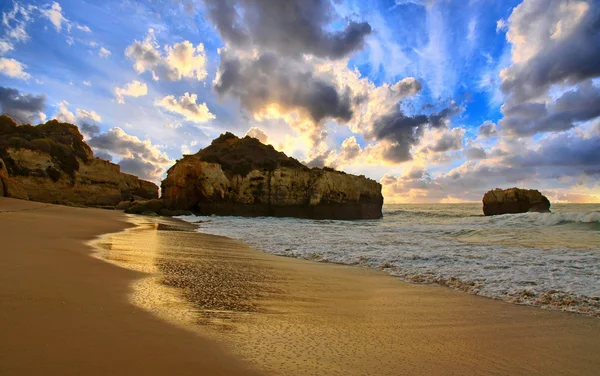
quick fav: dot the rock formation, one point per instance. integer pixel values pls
(51, 163)
(514, 200)
(244, 177)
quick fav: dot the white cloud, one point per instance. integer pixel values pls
(88, 115)
(186, 105)
(138, 157)
(63, 114)
(132, 89)
(54, 14)
(84, 28)
(13, 69)
(103, 52)
(15, 21)
(87, 83)
(181, 60)
(258, 133)
(5, 47)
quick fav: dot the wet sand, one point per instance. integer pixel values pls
(295, 317)
(63, 312)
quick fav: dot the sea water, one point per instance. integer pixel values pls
(551, 260)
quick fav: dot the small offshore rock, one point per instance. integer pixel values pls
(514, 200)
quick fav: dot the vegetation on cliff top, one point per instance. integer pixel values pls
(62, 141)
(241, 155)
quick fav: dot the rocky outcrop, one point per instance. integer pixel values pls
(243, 177)
(51, 163)
(514, 200)
(3, 177)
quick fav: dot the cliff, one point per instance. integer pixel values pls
(51, 163)
(244, 177)
(514, 200)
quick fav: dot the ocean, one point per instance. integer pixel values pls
(550, 260)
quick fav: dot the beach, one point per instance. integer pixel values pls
(182, 302)
(63, 312)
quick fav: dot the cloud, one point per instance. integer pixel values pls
(63, 114)
(138, 157)
(292, 85)
(54, 14)
(23, 108)
(103, 155)
(181, 60)
(187, 107)
(405, 131)
(487, 129)
(475, 153)
(85, 119)
(143, 169)
(103, 52)
(350, 149)
(565, 159)
(549, 86)
(289, 28)
(13, 69)
(132, 89)
(577, 105)
(553, 43)
(14, 23)
(87, 83)
(88, 115)
(257, 133)
(84, 28)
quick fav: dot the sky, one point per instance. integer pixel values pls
(438, 100)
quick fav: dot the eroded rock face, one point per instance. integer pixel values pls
(51, 163)
(514, 200)
(290, 190)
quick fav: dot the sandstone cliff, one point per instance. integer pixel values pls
(236, 176)
(514, 200)
(51, 163)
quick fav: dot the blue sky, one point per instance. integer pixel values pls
(407, 92)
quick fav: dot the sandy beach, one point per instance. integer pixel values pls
(63, 312)
(188, 303)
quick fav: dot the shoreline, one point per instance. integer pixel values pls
(490, 267)
(183, 302)
(63, 312)
(293, 317)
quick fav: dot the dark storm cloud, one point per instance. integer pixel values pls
(23, 108)
(568, 59)
(291, 27)
(291, 84)
(405, 131)
(578, 105)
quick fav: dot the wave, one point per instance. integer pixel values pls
(426, 214)
(546, 219)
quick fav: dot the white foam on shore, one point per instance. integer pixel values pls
(424, 246)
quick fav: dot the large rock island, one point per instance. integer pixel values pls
(51, 163)
(244, 177)
(514, 200)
